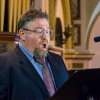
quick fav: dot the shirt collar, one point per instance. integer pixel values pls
(25, 51)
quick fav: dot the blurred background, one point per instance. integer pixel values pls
(74, 24)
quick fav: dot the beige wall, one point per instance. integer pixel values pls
(95, 46)
(87, 9)
(90, 6)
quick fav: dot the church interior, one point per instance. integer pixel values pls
(74, 24)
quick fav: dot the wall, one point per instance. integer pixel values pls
(93, 46)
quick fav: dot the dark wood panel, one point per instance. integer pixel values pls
(7, 36)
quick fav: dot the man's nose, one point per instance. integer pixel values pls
(44, 35)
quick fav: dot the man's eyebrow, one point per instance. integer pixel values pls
(41, 27)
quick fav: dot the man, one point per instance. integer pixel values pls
(22, 75)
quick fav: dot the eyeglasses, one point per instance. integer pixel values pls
(39, 30)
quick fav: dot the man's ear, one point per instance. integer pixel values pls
(22, 35)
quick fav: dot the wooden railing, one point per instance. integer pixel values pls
(6, 36)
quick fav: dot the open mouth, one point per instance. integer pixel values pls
(44, 46)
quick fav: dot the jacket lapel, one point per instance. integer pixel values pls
(58, 69)
(53, 67)
(30, 71)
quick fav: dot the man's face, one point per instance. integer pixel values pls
(37, 35)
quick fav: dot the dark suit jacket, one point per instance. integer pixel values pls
(20, 81)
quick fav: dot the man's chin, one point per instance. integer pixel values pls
(43, 50)
(43, 53)
(40, 53)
